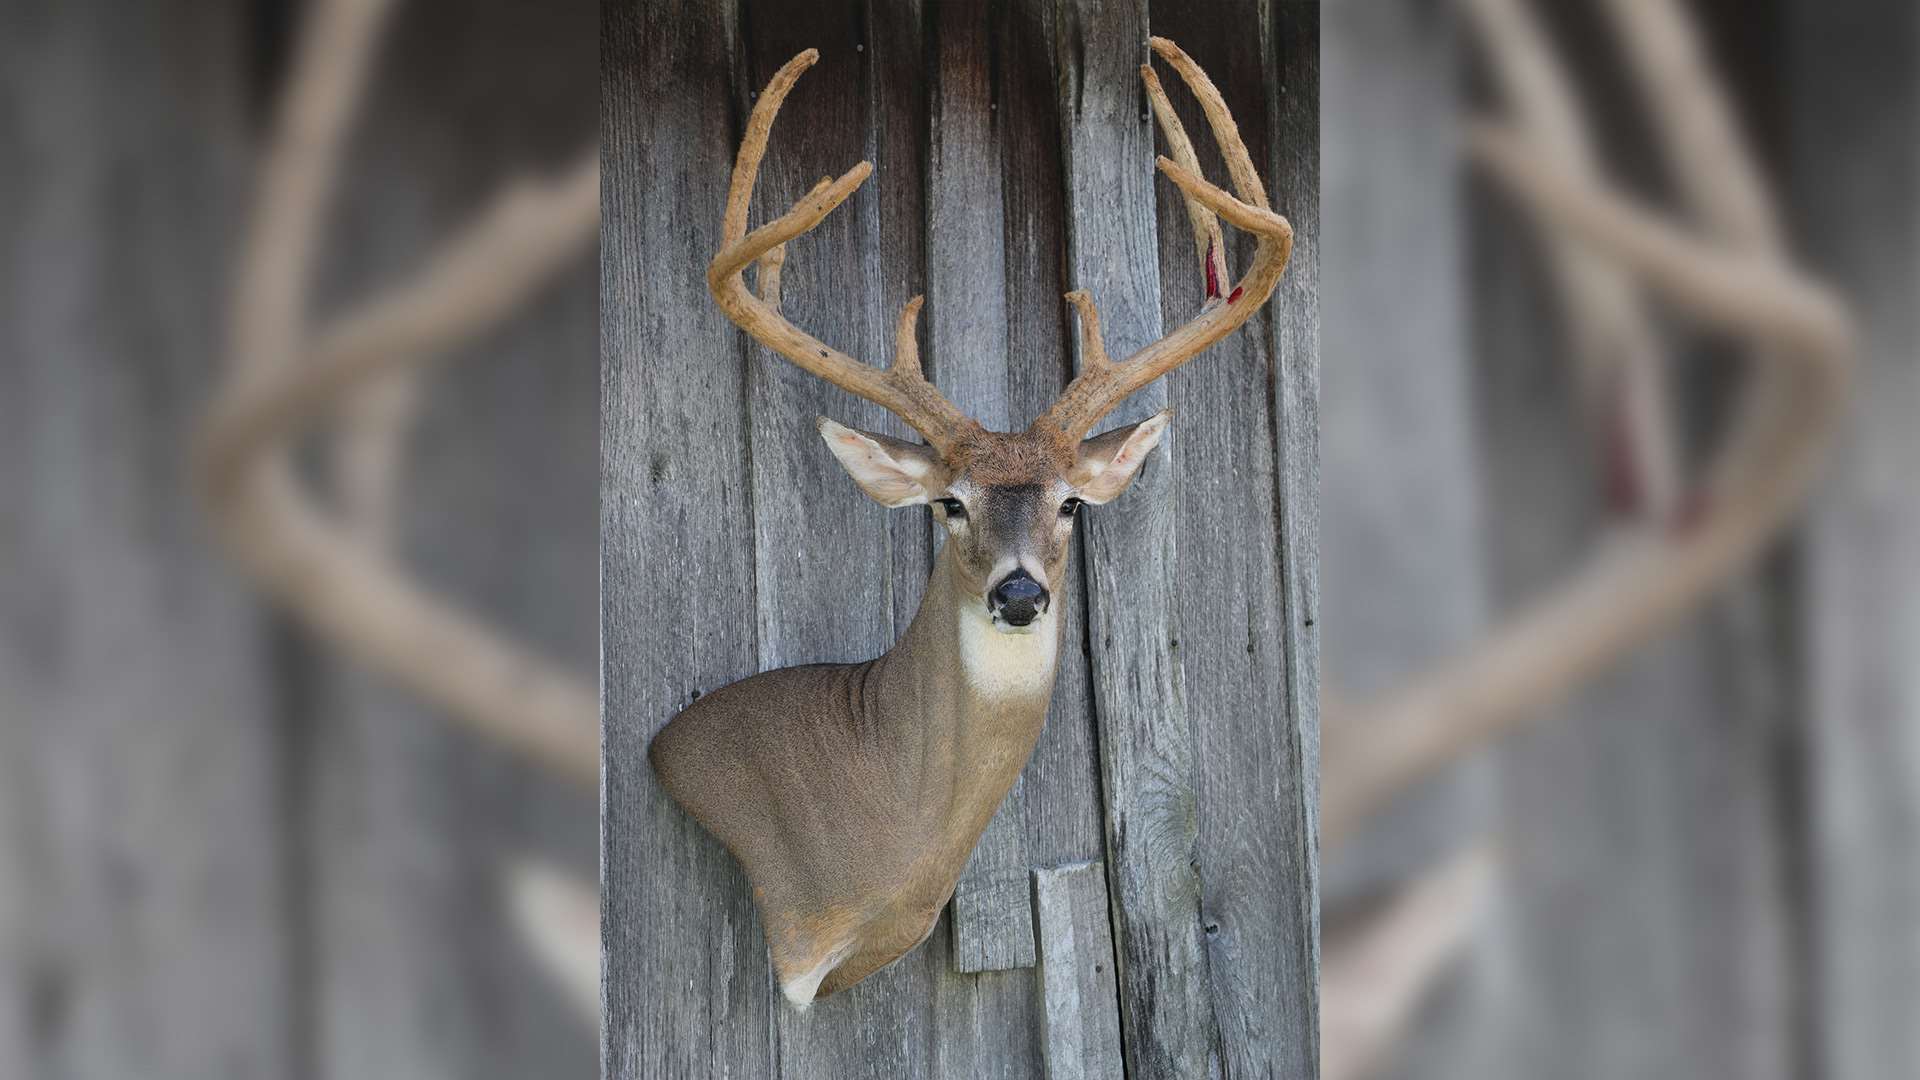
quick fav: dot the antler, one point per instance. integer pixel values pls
(1103, 384)
(901, 389)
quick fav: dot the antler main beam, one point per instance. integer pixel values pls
(1103, 383)
(901, 389)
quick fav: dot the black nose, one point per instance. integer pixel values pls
(1018, 598)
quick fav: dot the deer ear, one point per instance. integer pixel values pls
(892, 472)
(1109, 462)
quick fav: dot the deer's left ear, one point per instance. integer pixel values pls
(891, 472)
(1109, 462)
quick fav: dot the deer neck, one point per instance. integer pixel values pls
(979, 695)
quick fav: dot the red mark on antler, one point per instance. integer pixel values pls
(1237, 290)
(1213, 275)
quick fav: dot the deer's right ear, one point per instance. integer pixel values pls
(892, 472)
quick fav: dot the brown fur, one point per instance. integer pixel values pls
(853, 794)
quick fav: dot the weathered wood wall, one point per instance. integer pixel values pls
(222, 853)
(1013, 162)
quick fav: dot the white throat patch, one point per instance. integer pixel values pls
(1001, 664)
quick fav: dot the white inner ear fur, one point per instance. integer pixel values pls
(893, 476)
(1104, 472)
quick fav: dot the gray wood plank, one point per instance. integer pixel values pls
(143, 915)
(684, 966)
(1082, 1026)
(804, 506)
(892, 213)
(1255, 832)
(1146, 739)
(968, 351)
(1851, 182)
(1062, 781)
(1295, 139)
(1060, 784)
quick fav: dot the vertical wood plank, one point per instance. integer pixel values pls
(996, 1014)
(1855, 70)
(1293, 40)
(1294, 153)
(894, 228)
(814, 608)
(1146, 741)
(684, 964)
(1081, 1025)
(1062, 781)
(968, 343)
(1255, 838)
(143, 918)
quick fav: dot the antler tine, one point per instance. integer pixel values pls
(1208, 244)
(1101, 386)
(1246, 180)
(900, 389)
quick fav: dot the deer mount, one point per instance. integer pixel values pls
(853, 794)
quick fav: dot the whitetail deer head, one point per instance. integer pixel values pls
(852, 795)
(1008, 502)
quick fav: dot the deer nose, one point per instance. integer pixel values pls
(1018, 599)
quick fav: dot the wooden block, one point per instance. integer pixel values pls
(1080, 1001)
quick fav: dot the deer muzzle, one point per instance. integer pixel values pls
(1017, 600)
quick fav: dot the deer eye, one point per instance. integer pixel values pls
(1070, 508)
(954, 507)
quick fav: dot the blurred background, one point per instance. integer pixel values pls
(230, 848)
(1707, 853)
(225, 848)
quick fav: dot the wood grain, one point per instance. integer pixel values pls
(1082, 1040)
(1236, 644)
(687, 988)
(1146, 738)
(969, 351)
(1062, 782)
